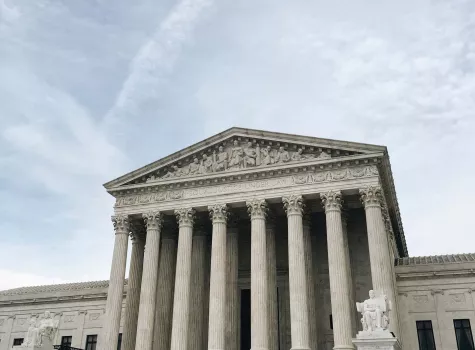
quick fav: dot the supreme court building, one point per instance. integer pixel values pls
(256, 240)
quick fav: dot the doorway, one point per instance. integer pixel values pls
(245, 319)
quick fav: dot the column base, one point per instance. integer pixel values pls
(299, 348)
(259, 348)
(344, 347)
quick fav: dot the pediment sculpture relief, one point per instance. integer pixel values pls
(235, 157)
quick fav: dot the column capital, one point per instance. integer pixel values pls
(185, 216)
(121, 224)
(371, 196)
(257, 208)
(293, 204)
(218, 213)
(331, 200)
(153, 220)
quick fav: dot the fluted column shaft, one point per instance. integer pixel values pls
(148, 292)
(232, 289)
(259, 281)
(273, 323)
(197, 297)
(297, 274)
(380, 258)
(310, 271)
(217, 286)
(115, 293)
(181, 303)
(338, 273)
(165, 287)
(133, 293)
(353, 315)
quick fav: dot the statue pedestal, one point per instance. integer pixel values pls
(379, 339)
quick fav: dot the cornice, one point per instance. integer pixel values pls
(54, 300)
(249, 174)
(435, 274)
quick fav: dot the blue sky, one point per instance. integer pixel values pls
(92, 89)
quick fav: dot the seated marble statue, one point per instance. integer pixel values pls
(47, 328)
(375, 312)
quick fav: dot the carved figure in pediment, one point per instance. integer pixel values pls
(266, 156)
(324, 155)
(250, 155)
(206, 164)
(297, 155)
(151, 178)
(282, 156)
(170, 173)
(237, 156)
(194, 168)
(221, 161)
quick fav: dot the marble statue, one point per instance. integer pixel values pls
(375, 312)
(194, 167)
(41, 332)
(282, 156)
(32, 336)
(324, 155)
(266, 156)
(207, 165)
(250, 155)
(221, 162)
(375, 321)
(237, 156)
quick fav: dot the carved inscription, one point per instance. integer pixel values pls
(309, 178)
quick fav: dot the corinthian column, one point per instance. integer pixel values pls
(299, 326)
(181, 303)
(148, 293)
(379, 255)
(310, 271)
(272, 283)
(165, 286)
(115, 293)
(232, 290)
(338, 271)
(259, 282)
(197, 297)
(133, 290)
(217, 287)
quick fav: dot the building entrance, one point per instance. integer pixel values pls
(245, 319)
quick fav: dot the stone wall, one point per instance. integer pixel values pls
(439, 293)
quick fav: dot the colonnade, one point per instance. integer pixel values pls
(166, 301)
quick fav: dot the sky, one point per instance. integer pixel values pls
(92, 89)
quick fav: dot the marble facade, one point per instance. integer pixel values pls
(296, 227)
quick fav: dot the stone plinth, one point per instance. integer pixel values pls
(377, 340)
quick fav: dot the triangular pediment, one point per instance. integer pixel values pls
(241, 150)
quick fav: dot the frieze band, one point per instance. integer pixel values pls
(295, 180)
